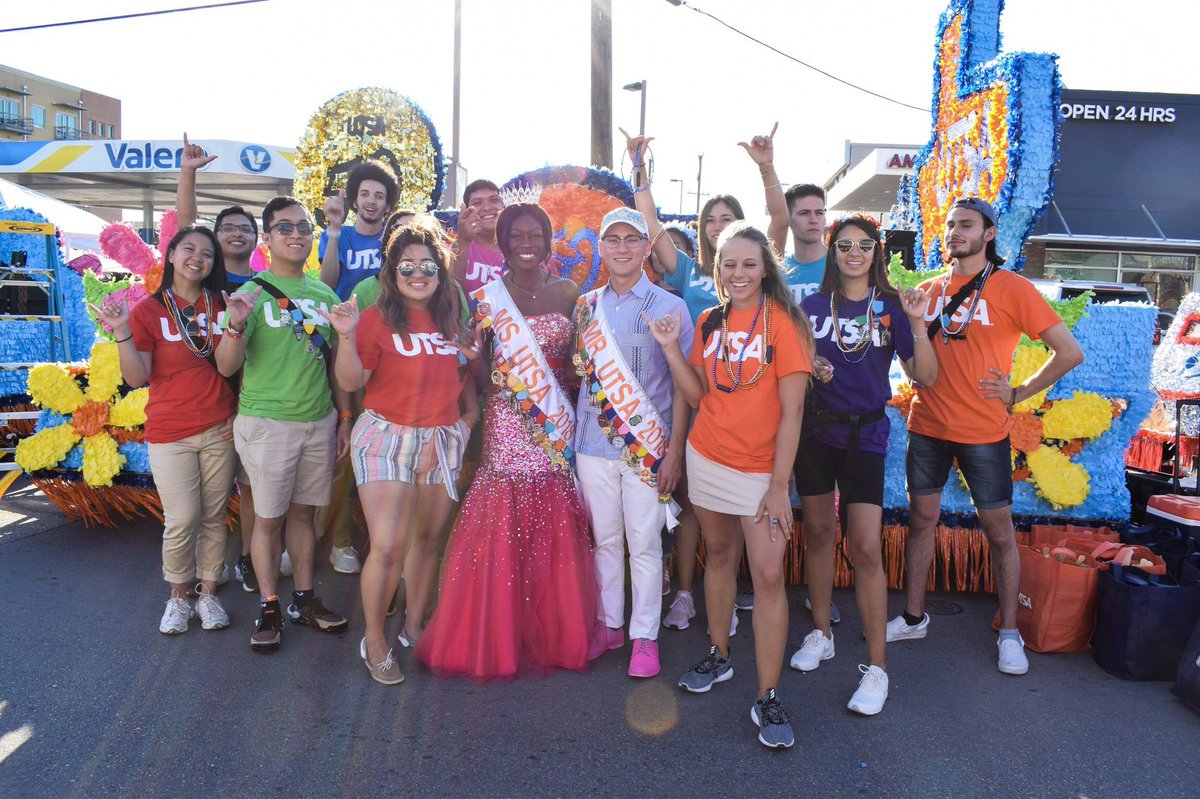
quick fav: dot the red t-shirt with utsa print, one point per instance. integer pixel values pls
(415, 377)
(187, 393)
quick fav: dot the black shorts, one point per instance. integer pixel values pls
(820, 467)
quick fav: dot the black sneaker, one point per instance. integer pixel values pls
(268, 630)
(244, 572)
(774, 728)
(316, 615)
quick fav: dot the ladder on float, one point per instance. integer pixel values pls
(45, 280)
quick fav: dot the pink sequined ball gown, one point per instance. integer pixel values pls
(518, 591)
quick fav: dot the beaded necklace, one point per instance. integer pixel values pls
(205, 347)
(722, 353)
(863, 344)
(961, 332)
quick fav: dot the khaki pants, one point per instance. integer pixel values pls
(194, 477)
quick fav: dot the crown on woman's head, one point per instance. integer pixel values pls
(520, 194)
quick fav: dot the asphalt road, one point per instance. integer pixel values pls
(94, 701)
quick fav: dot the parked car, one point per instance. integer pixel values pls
(1055, 290)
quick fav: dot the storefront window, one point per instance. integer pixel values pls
(1081, 265)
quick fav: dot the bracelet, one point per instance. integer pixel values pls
(772, 186)
(345, 416)
(1013, 399)
(233, 332)
(123, 340)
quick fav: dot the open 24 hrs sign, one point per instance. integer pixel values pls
(1113, 112)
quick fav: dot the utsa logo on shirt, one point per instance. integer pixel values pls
(483, 273)
(201, 319)
(851, 332)
(278, 318)
(802, 290)
(934, 309)
(737, 342)
(413, 344)
(362, 259)
(703, 281)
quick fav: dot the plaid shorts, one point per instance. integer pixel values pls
(382, 450)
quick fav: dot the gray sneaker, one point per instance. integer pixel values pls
(744, 601)
(774, 729)
(699, 679)
(835, 616)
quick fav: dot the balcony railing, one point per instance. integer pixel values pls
(65, 132)
(16, 124)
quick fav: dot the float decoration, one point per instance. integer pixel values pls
(362, 124)
(994, 133)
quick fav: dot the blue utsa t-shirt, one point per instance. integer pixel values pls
(698, 291)
(360, 257)
(804, 279)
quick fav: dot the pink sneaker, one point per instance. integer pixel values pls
(644, 660)
(604, 639)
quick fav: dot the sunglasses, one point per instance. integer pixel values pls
(287, 228)
(192, 326)
(865, 246)
(407, 268)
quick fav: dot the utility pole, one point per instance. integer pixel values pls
(602, 83)
(452, 201)
(699, 172)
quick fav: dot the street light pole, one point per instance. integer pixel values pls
(639, 86)
(699, 172)
(453, 187)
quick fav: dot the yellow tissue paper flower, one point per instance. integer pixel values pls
(130, 410)
(1059, 481)
(1026, 363)
(1084, 415)
(51, 387)
(101, 460)
(46, 448)
(104, 372)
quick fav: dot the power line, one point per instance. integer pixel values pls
(129, 16)
(797, 60)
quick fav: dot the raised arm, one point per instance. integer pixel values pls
(194, 157)
(761, 150)
(922, 367)
(335, 215)
(643, 200)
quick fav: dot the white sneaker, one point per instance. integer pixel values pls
(682, 611)
(224, 578)
(175, 617)
(835, 616)
(1012, 656)
(285, 564)
(872, 691)
(208, 607)
(900, 630)
(345, 560)
(816, 647)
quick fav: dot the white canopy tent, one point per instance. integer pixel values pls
(80, 229)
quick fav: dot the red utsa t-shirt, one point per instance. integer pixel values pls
(415, 376)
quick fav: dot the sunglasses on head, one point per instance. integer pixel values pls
(865, 246)
(407, 268)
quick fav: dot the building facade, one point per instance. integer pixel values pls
(35, 108)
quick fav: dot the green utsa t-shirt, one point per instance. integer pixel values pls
(282, 379)
(367, 291)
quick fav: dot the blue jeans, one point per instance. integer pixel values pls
(986, 467)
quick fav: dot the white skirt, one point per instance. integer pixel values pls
(721, 489)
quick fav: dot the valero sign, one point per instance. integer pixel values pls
(134, 155)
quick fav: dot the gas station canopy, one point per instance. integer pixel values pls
(142, 174)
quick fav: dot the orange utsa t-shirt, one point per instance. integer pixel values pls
(953, 409)
(738, 429)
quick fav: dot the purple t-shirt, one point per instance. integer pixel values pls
(862, 387)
